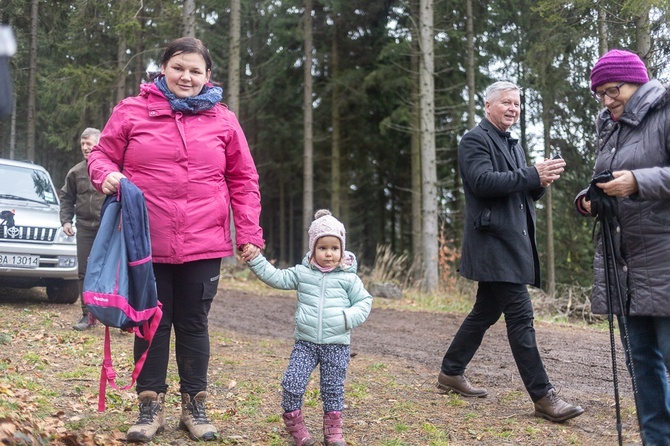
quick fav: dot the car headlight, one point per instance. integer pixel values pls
(62, 237)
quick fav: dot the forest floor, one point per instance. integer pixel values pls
(49, 379)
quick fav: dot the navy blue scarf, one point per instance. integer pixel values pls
(208, 97)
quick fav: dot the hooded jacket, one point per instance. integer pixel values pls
(192, 169)
(640, 142)
(330, 304)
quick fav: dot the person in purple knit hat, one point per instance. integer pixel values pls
(633, 142)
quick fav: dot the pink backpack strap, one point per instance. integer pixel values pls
(108, 374)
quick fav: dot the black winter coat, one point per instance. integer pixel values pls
(640, 142)
(499, 242)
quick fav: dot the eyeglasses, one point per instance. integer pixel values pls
(612, 92)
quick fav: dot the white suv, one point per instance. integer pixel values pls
(34, 250)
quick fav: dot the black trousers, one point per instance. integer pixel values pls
(493, 300)
(186, 292)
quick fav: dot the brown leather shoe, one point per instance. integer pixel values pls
(460, 385)
(555, 409)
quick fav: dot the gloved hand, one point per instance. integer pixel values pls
(603, 206)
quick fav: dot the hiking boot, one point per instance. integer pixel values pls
(555, 409)
(193, 418)
(459, 384)
(87, 321)
(332, 429)
(295, 425)
(151, 420)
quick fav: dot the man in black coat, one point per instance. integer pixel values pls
(500, 251)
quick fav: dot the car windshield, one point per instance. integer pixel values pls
(20, 183)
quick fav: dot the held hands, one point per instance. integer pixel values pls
(550, 170)
(111, 184)
(249, 252)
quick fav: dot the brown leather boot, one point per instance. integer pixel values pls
(555, 409)
(332, 429)
(295, 425)
(194, 419)
(459, 384)
(151, 420)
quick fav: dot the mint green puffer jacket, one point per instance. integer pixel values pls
(330, 304)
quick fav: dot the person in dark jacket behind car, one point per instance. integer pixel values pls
(633, 131)
(79, 198)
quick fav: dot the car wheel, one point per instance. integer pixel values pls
(63, 292)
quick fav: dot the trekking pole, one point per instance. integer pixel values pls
(610, 320)
(607, 239)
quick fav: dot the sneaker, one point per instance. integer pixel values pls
(459, 384)
(554, 409)
(87, 321)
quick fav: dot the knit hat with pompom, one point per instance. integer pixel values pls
(325, 224)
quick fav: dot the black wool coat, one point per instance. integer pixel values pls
(499, 243)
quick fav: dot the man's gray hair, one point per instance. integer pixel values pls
(499, 86)
(90, 132)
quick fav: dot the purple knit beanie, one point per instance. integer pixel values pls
(618, 66)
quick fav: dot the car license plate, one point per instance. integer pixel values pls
(19, 261)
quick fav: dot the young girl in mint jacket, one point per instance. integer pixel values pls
(331, 302)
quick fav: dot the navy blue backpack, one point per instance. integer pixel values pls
(120, 286)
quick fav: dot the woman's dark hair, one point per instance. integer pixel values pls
(186, 45)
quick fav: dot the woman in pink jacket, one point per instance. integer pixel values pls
(188, 154)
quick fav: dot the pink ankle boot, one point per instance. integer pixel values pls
(332, 429)
(295, 425)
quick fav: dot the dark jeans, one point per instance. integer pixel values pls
(494, 299)
(186, 292)
(85, 238)
(650, 350)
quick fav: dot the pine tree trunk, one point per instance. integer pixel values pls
(189, 18)
(32, 82)
(233, 89)
(121, 65)
(233, 93)
(548, 200)
(428, 167)
(308, 153)
(335, 174)
(417, 229)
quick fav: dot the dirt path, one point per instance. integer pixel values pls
(391, 396)
(577, 359)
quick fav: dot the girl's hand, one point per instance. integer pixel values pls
(249, 252)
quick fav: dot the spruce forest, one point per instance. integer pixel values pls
(353, 105)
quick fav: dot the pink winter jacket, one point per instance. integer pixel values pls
(191, 168)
